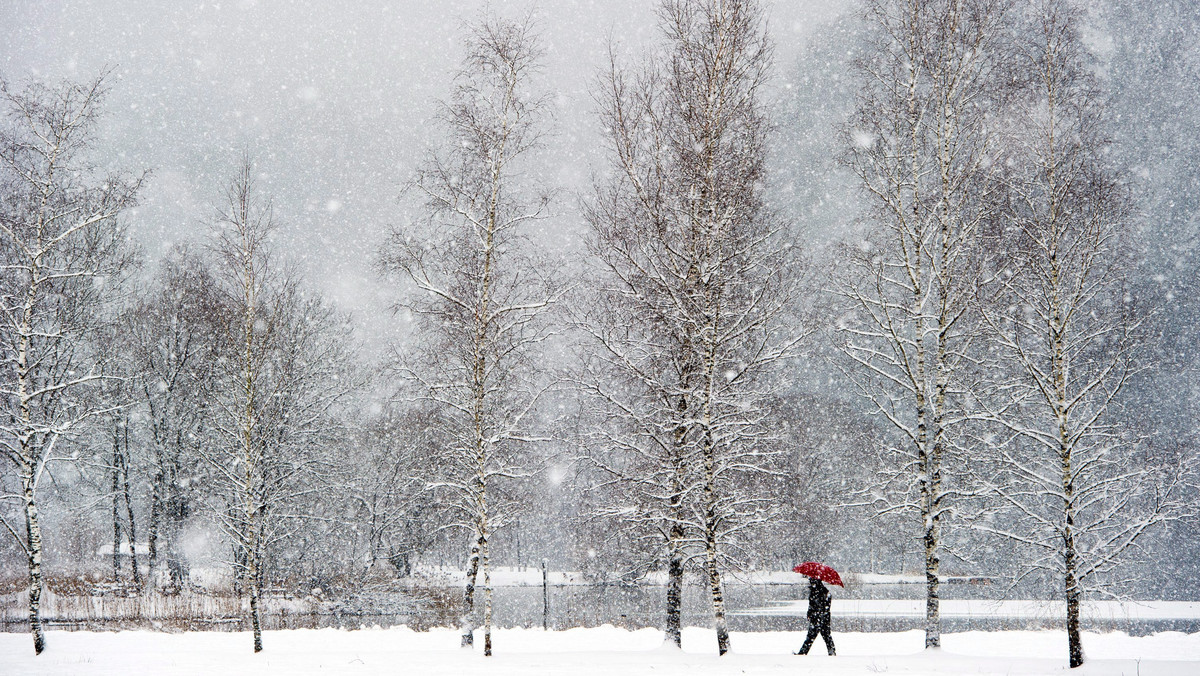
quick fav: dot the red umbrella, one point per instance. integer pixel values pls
(820, 571)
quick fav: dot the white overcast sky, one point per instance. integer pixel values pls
(333, 99)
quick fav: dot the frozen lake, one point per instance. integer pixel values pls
(782, 608)
(752, 607)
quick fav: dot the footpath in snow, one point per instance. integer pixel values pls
(602, 651)
(983, 608)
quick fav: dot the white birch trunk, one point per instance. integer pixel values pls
(466, 619)
(1069, 485)
(487, 598)
(60, 233)
(33, 543)
(481, 291)
(926, 158)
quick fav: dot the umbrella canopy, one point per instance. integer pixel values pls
(819, 571)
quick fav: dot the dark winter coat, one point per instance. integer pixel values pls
(818, 602)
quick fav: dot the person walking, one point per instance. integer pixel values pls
(819, 615)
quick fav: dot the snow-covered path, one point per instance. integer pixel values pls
(604, 651)
(983, 608)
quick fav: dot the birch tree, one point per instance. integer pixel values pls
(479, 291)
(637, 375)
(691, 306)
(62, 248)
(920, 146)
(1070, 480)
(284, 371)
(249, 281)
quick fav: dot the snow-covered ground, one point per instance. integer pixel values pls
(603, 651)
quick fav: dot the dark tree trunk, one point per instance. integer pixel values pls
(116, 507)
(674, 628)
(1070, 568)
(240, 564)
(674, 633)
(156, 510)
(1074, 641)
(177, 511)
(933, 618)
(132, 531)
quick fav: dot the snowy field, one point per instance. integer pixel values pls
(604, 651)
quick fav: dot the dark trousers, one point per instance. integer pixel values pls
(814, 629)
